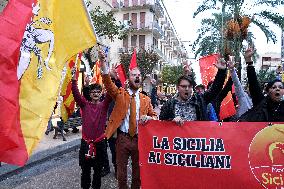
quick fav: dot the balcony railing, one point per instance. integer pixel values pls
(143, 28)
(129, 50)
(159, 9)
(157, 30)
(142, 4)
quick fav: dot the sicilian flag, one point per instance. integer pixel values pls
(208, 72)
(37, 38)
(97, 78)
(133, 61)
(68, 105)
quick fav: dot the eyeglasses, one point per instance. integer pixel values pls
(185, 86)
(95, 92)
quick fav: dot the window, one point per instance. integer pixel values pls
(134, 2)
(142, 41)
(155, 43)
(126, 3)
(134, 20)
(133, 41)
(126, 16)
(142, 19)
(114, 3)
(266, 58)
(142, 2)
(125, 42)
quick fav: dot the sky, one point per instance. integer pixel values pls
(181, 13)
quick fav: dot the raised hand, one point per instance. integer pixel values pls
(249, 54)
(221, 64)
(113, 72)
(231, 63)
(87, 80)
(73, 72)
(187, 68)
(102, 58)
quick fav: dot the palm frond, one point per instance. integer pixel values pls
(270, 35)
(272, 3)
(275, 18)
(208, 45)
(250, 38)
(206, 5)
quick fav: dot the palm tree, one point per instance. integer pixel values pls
(226, 31)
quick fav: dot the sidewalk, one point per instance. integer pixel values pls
(48, 148)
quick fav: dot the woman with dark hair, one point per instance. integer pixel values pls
(268, 108)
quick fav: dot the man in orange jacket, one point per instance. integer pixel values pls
(131, 107)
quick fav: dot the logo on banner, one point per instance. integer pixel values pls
(266, 157)
(34, 37)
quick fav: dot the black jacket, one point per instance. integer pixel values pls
(264, 109)
(217, 102)
(199, 101)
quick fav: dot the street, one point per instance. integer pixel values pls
(59, 173)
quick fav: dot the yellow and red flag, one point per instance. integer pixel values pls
(97, 77)
(37, 38)
(68, 105)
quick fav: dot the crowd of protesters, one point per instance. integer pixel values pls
(116, 116)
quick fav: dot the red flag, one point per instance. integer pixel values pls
(121, 74)
(208, 72)
(133, 61)
(207, 69)
(173, 157)
(13, 21)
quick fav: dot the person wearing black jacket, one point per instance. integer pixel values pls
(217, 102)
(268, 108)
(187, 106)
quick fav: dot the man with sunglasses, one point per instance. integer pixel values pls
(187, 106)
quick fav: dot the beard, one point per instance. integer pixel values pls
(134, 85)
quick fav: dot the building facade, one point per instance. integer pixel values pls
(151, 29)
(270, 61)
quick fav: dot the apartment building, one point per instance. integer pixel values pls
(151, 29)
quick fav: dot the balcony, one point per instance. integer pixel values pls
(166, 25)
(157, 30)
(129, 50)
(163, 40)
(123, 50)
(124, 7)
(142, 28)
(163, 58)
(163, 20)
(159, 11)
